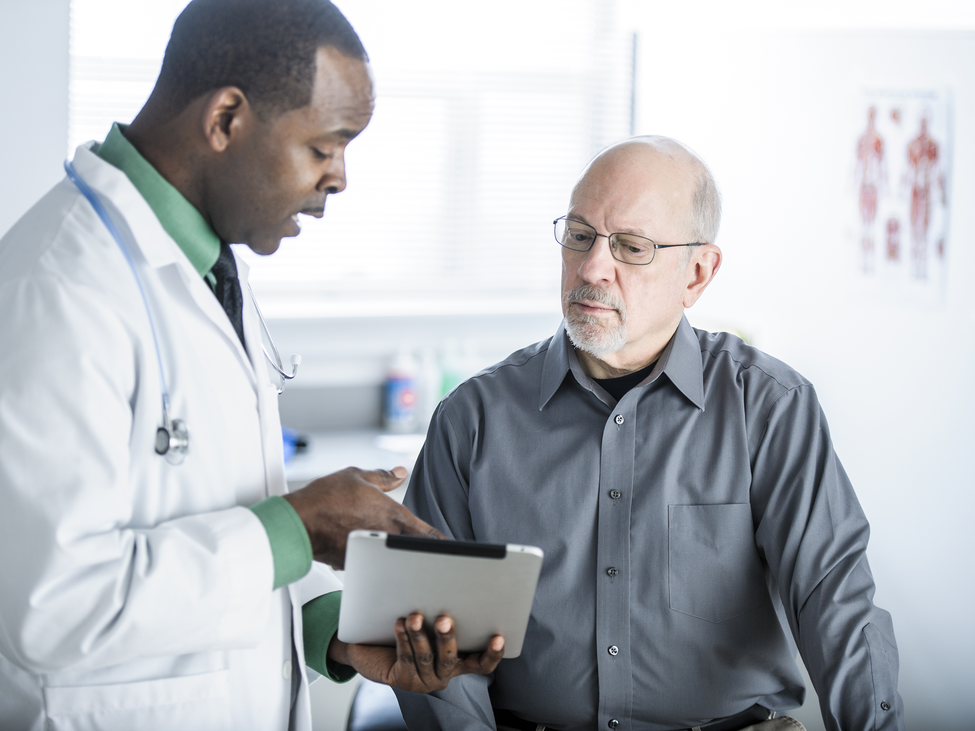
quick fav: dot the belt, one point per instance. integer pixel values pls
(505, 718)
(746, 718)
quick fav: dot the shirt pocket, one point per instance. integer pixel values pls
(188, 702)
(715, 571)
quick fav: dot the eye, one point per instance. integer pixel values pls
(632, 248)
(578, 235)
(319, 155)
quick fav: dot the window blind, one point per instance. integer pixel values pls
(485, 115)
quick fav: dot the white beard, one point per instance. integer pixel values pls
(589, 333)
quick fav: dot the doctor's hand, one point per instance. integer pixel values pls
(413, 664)
(352, 499)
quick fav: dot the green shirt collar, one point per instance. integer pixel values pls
(178, 216)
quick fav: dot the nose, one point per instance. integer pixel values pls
(333, 177)
(598, 264)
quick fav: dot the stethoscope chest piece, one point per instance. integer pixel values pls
(172, 438)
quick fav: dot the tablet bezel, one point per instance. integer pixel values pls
(487, 588)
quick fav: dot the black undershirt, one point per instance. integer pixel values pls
(618, 387)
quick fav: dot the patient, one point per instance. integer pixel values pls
(697, 525)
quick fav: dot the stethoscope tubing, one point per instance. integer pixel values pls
(275, 361)
(172, 438)
(110, 225)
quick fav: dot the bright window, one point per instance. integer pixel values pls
(485, 114)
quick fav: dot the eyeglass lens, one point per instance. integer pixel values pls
(628, 248)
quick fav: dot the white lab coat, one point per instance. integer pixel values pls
(134, 594)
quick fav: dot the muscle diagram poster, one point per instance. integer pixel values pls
(901, 153)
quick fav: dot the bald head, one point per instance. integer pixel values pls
(686, 191)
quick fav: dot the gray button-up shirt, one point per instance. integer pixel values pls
(694, 533)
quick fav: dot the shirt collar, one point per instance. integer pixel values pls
(178, 217)
(555, 366)
(680, 361)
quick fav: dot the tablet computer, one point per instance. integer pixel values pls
(488, 589)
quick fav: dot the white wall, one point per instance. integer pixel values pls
(33, 102)
(770, 112)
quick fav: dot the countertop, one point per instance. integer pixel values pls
(330, 451)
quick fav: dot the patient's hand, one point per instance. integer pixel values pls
(413, 664)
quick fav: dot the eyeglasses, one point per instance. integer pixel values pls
(627, 248)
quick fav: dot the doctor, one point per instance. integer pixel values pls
(156, 573)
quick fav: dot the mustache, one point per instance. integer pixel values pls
(595, 294)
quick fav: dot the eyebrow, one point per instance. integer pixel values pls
(581, 219)
(345, 134)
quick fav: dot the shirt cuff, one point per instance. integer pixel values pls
(320, 618)
(290, 545)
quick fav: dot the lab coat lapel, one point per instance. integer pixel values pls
(193, 284)
(142, 231)
(267, 390)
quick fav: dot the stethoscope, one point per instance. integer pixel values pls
(172, 438)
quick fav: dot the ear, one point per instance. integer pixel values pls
(226, 115)
(701, 270)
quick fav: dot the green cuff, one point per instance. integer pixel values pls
(290, 546)
(320, 618)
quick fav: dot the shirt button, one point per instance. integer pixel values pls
(612, 571)
(614, 650)
(286, 670)
(619, 419)
(884, 705)
(615, 494)
(613, 723)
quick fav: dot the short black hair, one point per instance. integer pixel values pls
(266, 48)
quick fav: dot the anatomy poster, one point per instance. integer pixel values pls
(901, 149)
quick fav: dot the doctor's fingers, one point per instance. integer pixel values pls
(409, 525)
(415, 655)
(385, 480)
(482, 663)
(447, 659)
(447, 663)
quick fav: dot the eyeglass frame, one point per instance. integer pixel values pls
(609, 237)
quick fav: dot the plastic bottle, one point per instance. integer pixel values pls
(459, 363)
(429, 382)
(400, 403)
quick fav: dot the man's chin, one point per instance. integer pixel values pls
(264, 247)
(267, 244)
(596, 339)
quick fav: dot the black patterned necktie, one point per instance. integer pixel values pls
(227, 289)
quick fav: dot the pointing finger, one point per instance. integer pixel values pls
(410, 525)
(387, 480)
